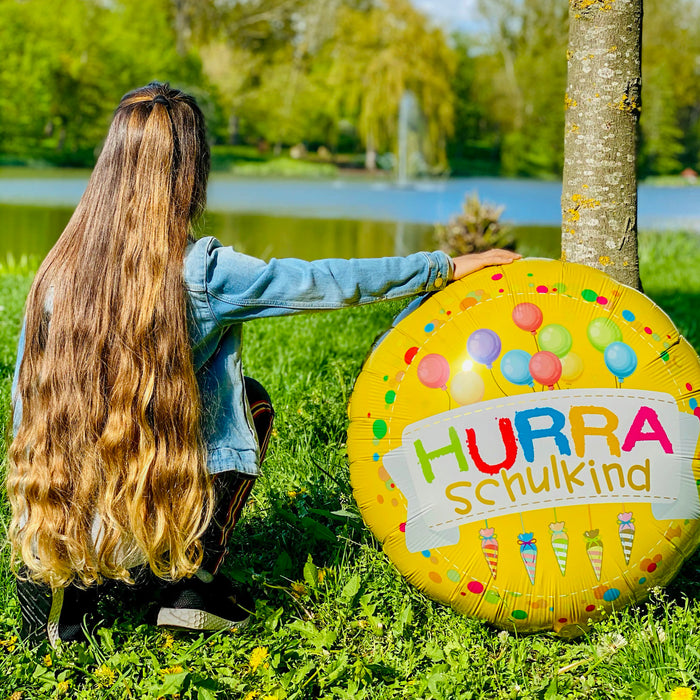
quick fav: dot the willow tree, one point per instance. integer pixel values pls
(603, 100)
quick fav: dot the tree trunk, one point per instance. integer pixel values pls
(603, 101)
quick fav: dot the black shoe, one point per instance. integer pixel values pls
(196, 605)
(54, 615)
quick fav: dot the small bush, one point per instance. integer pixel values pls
(477, 228)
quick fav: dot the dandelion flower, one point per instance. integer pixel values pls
(321, 575)
(251, 695)
(47, 660)
(299, 588)
(9, 643)
(257, 657)
(171, 670)
(62, 686)
(682, 693)
(105, 676)
(168, 641)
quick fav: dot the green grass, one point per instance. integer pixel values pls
(333, 616)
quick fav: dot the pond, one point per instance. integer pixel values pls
(330, 218)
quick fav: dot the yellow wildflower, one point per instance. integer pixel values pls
(168, 640)
(251, 695)
(10, 643)
(682, 693)
(257, 657)
(17, 695)
(48, 660)
(62, 686)
(321, 575)
(171, 669)
(105, 676)
(298, 588)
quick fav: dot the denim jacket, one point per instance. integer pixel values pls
(226, 288)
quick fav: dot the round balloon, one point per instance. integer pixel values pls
(527, 316)
(515, 367)
(556, 339)
(620, 359)
(484, 346)
(433, 370)
(467, 387)
(545, 367)
(537, 491)
(602, 331)
(571, 367)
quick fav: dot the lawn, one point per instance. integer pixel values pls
(334, 619)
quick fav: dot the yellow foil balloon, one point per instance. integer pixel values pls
(532, 508)
(571, 367)
(467, 387)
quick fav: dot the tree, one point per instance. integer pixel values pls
(378, 54)
(603, 102)
(523, 74)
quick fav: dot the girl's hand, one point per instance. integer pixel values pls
(466, 264)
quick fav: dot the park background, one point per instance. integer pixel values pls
(310, 90)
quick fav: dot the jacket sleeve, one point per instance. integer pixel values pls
(240, 287)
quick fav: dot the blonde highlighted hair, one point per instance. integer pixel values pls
(108, 463)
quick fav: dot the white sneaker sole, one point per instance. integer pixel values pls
(192, 619)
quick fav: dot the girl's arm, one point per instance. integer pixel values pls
(240, 287)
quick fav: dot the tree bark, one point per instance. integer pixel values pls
(603, 102)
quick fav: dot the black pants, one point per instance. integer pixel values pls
(231, 489)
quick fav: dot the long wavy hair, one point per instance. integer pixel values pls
(108, 464)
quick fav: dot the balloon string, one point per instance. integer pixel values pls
(493, 376)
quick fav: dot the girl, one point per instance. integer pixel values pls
(137, 438)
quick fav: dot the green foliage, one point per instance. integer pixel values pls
(333, 617)
(332, 73)
(477, 228)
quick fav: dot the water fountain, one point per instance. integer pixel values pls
(409, 161)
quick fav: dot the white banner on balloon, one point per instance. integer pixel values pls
(545, 450)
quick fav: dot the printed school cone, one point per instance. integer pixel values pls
(594, 549)
(626, 533)
(560, 545)
(489, 546)
(528, 553)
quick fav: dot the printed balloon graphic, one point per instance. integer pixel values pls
(484, 346)
(515, 367)
(527, 317)
(467, 387)
(571, 367)
(545, 368)
(620, 359)
(556, 339)
(603, 331)
(434, 371)
(525, 442)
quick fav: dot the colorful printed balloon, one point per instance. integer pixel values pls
(545, 367)
(571, 367)
(620, 359)
(515, 367)
(484, 346)
(467, 387)
(555, 338)
(527, 317)
(602, 331)
(434, 371)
